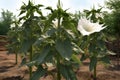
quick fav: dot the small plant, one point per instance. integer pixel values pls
(14, 40)
(92, 44)
(31, 30)
(57, 46)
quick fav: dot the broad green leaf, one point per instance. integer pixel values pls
(51, 31)
(67, 72)
(43, 54)
(39, 41)
(105, 59)
(92, 48)
(64, 48)
(93, 63)
(25, 46)
(64, 72)
(72, 74)
(39, 73)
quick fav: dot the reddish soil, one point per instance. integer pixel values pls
(10, 71)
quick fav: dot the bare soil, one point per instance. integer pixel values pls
(11, 71)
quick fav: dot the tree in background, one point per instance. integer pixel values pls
(5, 21)
(112, 20)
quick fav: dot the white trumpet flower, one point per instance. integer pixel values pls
(86, 27)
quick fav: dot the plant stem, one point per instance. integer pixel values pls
(58, 57)
(94, 74)
(30, 68)
(58, 68)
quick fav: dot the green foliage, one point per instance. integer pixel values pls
(39, 73)
(112, 19)
(59, 37)
(5, 22)
(94, 14)
(94, 44)
(93, 62)
(64, 48)
(67, 72)
(113, 4)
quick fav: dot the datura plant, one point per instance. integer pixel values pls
(92, 43)
(57, 47)
(31, 29)
(14, 39)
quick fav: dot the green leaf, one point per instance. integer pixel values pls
(26, 46)
(39, 73)
(64, 72)
(51, 31)
(76, 59)
(93, 63)
(92, 48)
(39, 12)
(22, 11)
(64, 48)
(40, 5)
(71, 73)
(101, 43)
(105, 59)
(39, 41)
(23, 62)
(49, 8)
(67, 72)
(43, 54)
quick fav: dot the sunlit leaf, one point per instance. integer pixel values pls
(76, 59)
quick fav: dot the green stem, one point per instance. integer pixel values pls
(58, 68)
(94, 74)
(30, 68)
(58, 57)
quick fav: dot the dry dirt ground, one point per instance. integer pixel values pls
(10, 71)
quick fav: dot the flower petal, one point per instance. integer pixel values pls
(86, 27)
